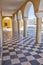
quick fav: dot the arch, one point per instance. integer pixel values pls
(31, 13)
(30, 23)
(19, 15)
(7, 22)
(27, 8)
(7, 27)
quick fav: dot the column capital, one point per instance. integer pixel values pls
(25, 18)
(39, 14)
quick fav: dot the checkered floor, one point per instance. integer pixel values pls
(22, 51)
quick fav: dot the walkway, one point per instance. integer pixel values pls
(22, 51)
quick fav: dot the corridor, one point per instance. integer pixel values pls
(21, 32)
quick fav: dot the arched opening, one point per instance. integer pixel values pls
(20, 20)
(31, 19)
(41, 16)
(7, 28)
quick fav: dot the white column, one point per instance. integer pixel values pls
(25, 26)
(38, 30)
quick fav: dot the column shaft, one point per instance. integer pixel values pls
(25, 27)
(1, 37)
(18, 28)
(13, 26)
(38, 30)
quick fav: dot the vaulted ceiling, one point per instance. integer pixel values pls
(10, 6)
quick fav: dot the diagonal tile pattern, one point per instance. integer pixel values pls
(22, 51)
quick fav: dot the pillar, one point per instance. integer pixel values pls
(25, 26)
(13, 26)
(1, 35)
(18, 27)
(1, 38)
(38, 30)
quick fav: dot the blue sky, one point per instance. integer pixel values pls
(31, 13)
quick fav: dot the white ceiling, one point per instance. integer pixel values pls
(10, 6)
